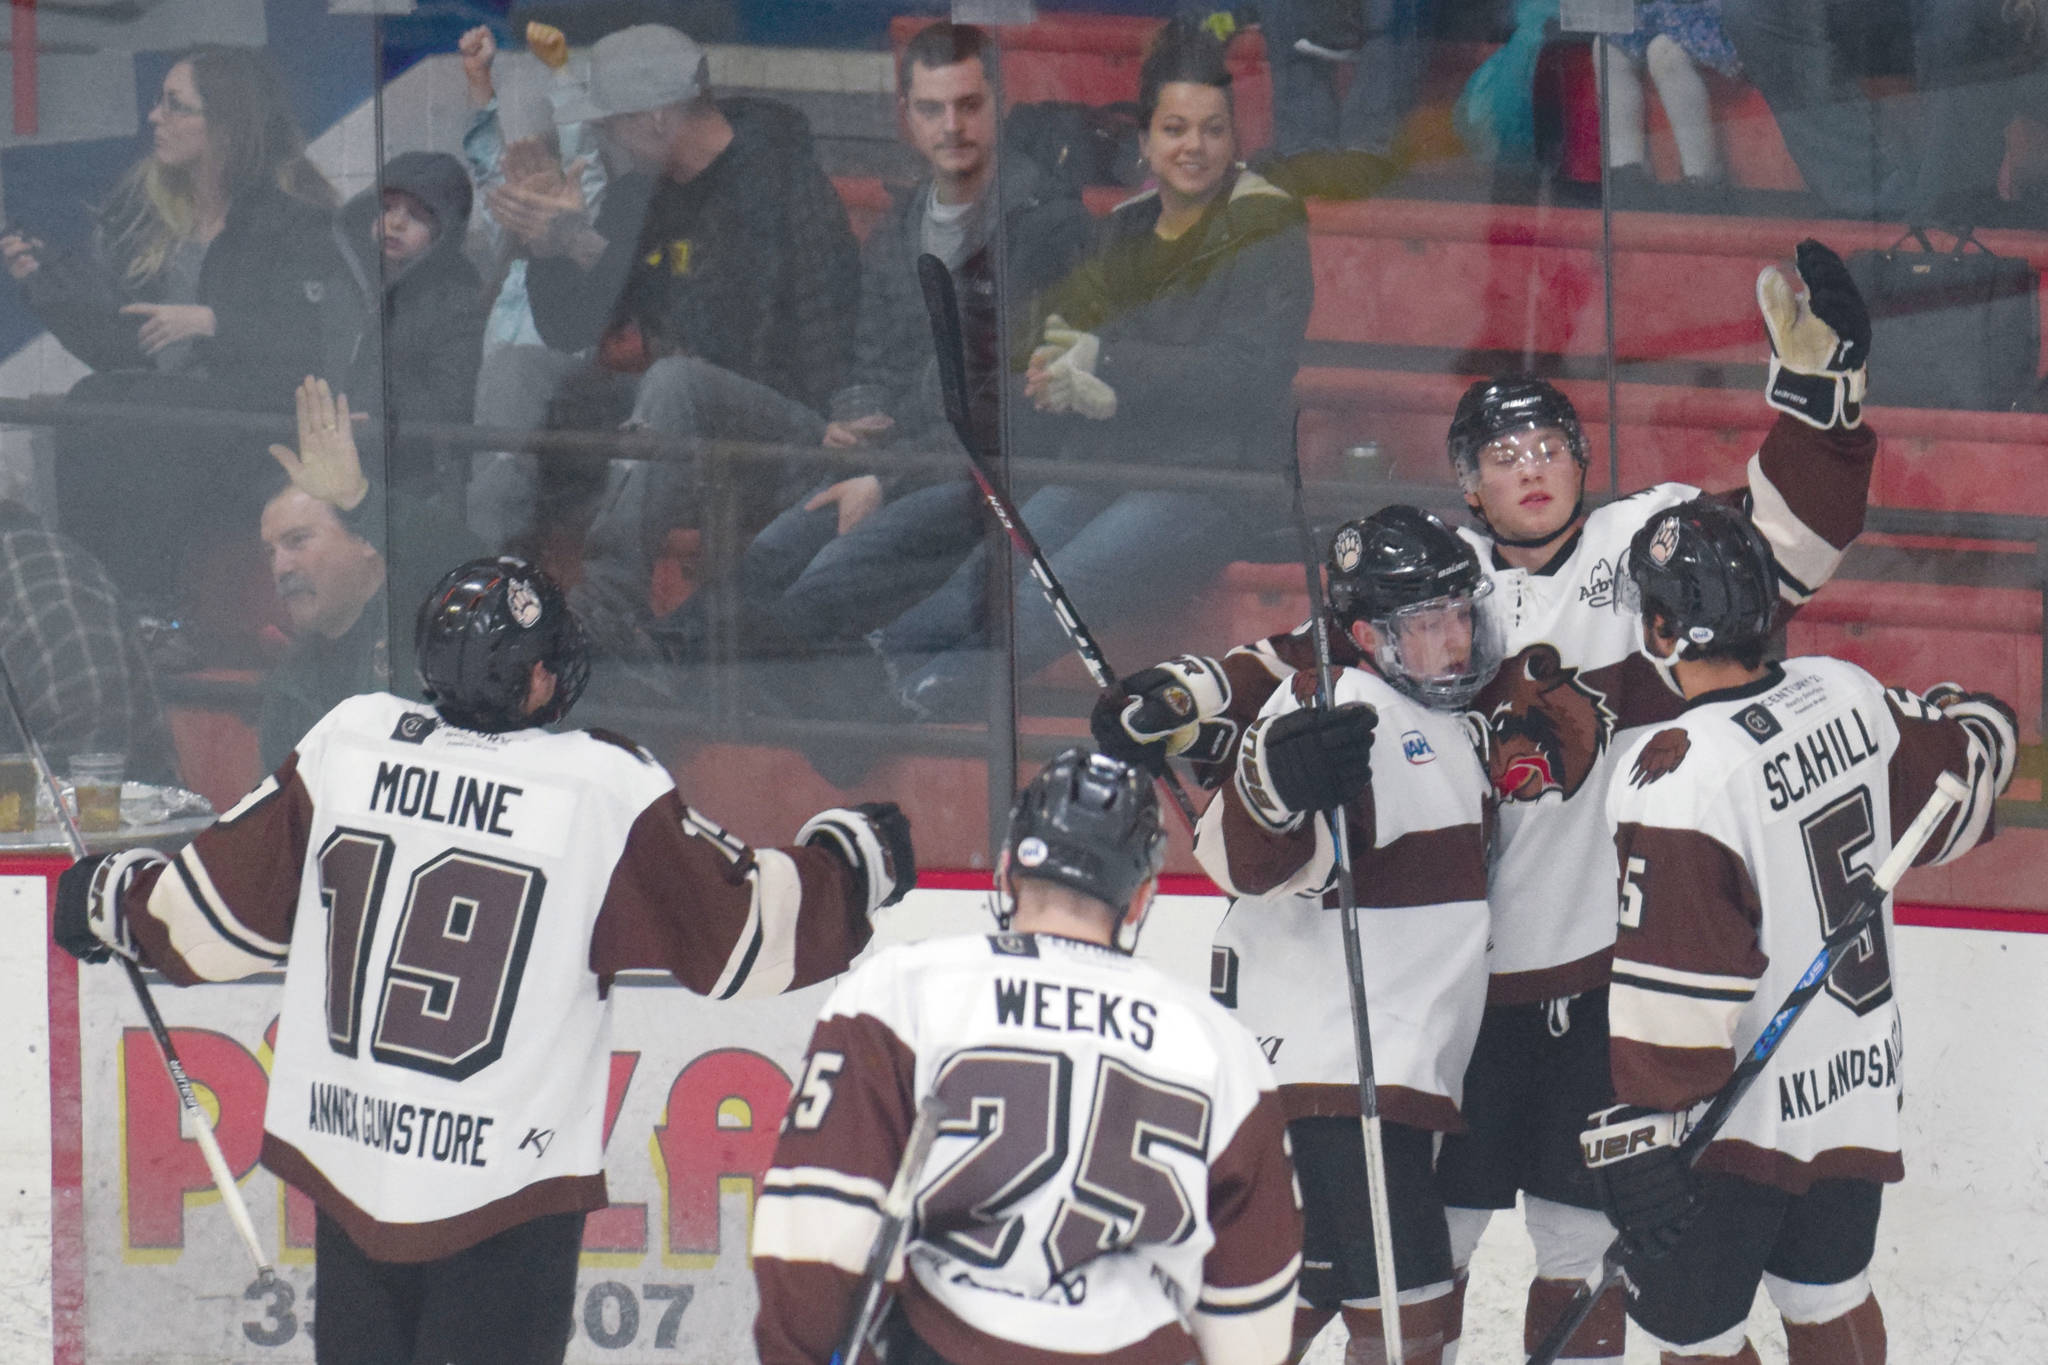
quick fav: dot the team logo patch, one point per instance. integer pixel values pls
(1179, 700)
(523, 602)
(413, 727)
(1415, 748)
(1757, 722)
(1547, 726)
(1347, 550)
(1032, 852)
(1013, 945)
(1664, 543)
(1662, 755)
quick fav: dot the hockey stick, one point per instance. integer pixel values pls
(942, 305)
(1948, 791)
(1319, 625)
(889, 1237)
(202, 1128)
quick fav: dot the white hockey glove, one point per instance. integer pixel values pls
(89, 923)
(1990, 721)
(1306, 760)
(1820, 339)
(1071, 385)
(1645, 1185)
(873, 839)
(1166, 711)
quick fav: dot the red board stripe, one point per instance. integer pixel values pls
(22, 34)
(1188, 884)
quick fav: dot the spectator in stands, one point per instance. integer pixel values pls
(215, 280)
(325, 528)
(856, 551)
(69, 646)
(416, 220)
(713, 295)
(1811, 81)
(1174, 345)
(1309, 43)
(535, 145)
(1671, 41)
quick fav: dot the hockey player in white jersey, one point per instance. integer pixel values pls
(1744, 830)
(1412, 600)
(450, 890)
(1110, 1180)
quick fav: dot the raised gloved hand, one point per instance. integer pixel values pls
(1306, 760)
(89, 923)
(1164, 712)
(1645, 1184)
(873, 839)
(1994, 724)
(1820, 339)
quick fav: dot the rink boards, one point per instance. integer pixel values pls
(141, 1264)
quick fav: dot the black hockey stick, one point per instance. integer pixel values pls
(942, 305)
(889, 1237)
(1948, 791)
(1319, 625)
(202, 1127)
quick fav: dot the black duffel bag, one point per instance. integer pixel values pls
(1950, 329)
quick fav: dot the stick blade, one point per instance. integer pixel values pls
(942, 308)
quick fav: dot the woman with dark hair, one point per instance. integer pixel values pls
(215, 280)
(1175, 344)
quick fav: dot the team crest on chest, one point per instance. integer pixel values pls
(1547, 726)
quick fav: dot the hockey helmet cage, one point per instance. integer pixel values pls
(1091, 823)
(1492, 408)
(1705, 568)
(478, 636)
(1439, 634)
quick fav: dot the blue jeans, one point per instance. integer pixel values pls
(818, 587)
(1385, 78)
(1117, 554)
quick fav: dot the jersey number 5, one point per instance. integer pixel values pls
(1834, 834)
(451, 978)
(1014, 1103)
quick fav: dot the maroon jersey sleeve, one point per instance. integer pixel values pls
(1686, 962)
(1808, 492)
(223, 908)
(1248, 1278)
(820, 1206)
(728, 920)
(1930, 744)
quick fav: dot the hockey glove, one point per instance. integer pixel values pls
(1820, 339)
(873, 839)
(1645, 1184)
(1165, 712)
(1307, 760)
(89, 923)
(1990, 721)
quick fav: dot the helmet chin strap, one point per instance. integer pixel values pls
(1663, 662)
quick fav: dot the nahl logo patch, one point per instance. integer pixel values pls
(1415, 748)
(1757, 722)
(413, 727)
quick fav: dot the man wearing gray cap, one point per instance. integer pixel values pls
(712, 295)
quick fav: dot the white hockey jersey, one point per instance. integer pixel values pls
(1744, 830)
(451, 908)
(1573, 685)
(1110, 1181)
(1418, 842)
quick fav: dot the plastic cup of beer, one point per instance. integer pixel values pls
(17, 794)
(96, 778)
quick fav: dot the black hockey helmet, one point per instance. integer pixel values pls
(1409, 576)
(478, 636)
(1493, 408)
(1091, 823)
(1705, 568)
